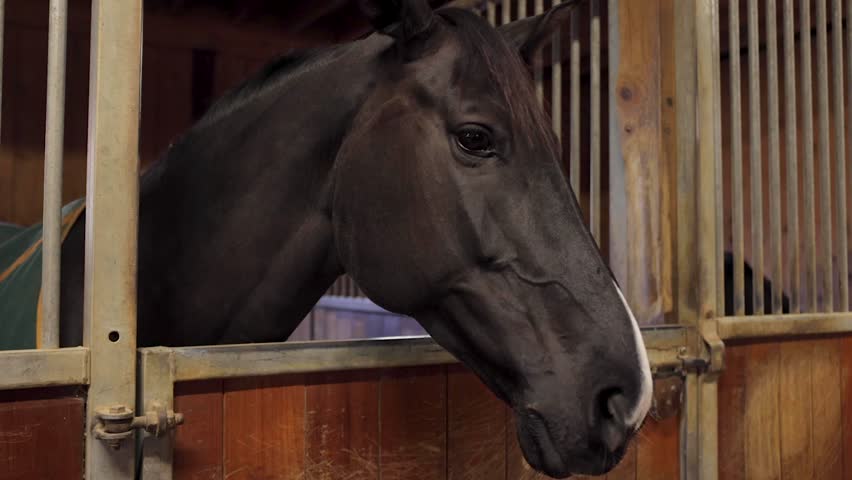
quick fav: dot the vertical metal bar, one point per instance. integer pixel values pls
(774, 157)
(575, 102)
(53, 149)
(594, 118)
(790, 156)
(839, 155)
(505, 12)
(712, 9)
(556, 84)
(522, 9)
(538, 9)
(156, 392)
(491, 13)
(112, 201)
(736, 158)
(708, 222)
(825, 256)
(755, 156)
(808, 184)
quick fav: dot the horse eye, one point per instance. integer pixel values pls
(476, 141)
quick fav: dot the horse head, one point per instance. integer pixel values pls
(450, 205)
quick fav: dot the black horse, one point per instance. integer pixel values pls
(418, 161)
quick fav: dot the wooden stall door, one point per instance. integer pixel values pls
(785, 410)
(420, 423)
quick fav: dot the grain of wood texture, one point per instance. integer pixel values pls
(342, 426)
(668, 164)
(658, 450)
(762, 436)
(198, 442)
(846, 406)
(732, 387)
(264, 428)
(476, 428)
(795, 402)
(826, 413)
(636, 255)
(413, 416)
(35, 422)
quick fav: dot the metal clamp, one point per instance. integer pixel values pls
(117, 422)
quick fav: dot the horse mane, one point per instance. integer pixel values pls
(269, 75)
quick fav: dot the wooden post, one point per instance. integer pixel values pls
(635, 132)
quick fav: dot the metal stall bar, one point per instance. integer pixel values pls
(538, 9)
(53, 150)
(491, 13)
(665, 347)
(756, 173)
(505, 12)
(594, 119)
(790, 155)
(112, 198)
(824, 294)
(839, 155)
(706, 229)
(574, 136)
(801, 324)
(156, 396)
(556, 85)
(44, 368)
(522, 9)
(736, 158)
(774, 157)
(808, 203)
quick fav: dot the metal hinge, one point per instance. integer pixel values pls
(117, 422)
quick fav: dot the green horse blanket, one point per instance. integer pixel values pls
(20, 280)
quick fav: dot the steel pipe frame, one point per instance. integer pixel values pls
(53, 152)
(44, 368)
(112, 201)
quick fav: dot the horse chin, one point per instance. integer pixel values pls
(542, 453)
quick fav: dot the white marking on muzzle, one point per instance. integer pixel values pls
(646, 389)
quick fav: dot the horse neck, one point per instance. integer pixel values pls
(236, 241)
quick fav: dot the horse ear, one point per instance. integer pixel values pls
(529, 35)
(401, 19)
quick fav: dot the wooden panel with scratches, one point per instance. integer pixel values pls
(413, 415)
(198, 442)
(476, 428)
(264, 428)
(342, 426)
(41, 433)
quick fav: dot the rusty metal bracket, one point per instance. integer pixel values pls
(115, 423)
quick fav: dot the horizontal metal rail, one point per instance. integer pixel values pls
(229, 361)
(749, 327)
(44, 368)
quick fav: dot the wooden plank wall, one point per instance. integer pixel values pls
(425, 423)
(785, 410)
(41, 434)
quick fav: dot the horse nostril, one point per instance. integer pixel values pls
(612, 408)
